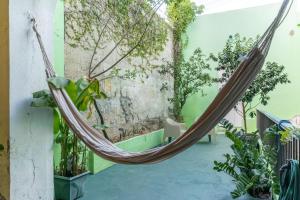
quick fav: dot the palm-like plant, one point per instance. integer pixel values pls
(251, 165)
(83, 93)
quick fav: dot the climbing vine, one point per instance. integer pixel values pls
(194, 76)
(180, 14)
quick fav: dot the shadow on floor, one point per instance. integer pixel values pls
(187, 176)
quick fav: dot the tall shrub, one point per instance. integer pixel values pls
(180, 13)
(267, 80)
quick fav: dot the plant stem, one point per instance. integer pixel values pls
(101, 119)
(133, 48)
(177, 57)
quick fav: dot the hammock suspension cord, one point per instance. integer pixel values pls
(225, 100)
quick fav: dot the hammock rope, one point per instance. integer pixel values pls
(225, 100)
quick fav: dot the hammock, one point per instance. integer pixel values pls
(227, 98)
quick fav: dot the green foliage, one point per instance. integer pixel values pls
(42, 98)
(82, 93)
(267, 80)
(131, 27)
(193, 76)
(251, 165)
(181, 13)
(284, 135)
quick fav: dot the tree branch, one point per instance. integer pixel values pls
(116, 45)
(101, 119)
(96, 47)
(133, 48)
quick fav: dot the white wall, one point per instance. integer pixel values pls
(31, 138)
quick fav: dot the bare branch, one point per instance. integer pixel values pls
(134, 47)
(101, 119)
(124, 35)
(96, 47)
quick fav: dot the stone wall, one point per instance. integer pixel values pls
(134, 106)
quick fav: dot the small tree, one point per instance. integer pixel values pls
(130, 29)
(194, 76)
(180, 13)
(235, 50)
(114, 31)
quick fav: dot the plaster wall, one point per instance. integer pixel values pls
(133, 107)
(31, 135)
(211, 31)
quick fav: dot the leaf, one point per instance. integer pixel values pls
(84, 103)
(72, 90)
(43, 99)
(82, 84)
(58, 139)
(56, 121)
(88, 94)
(41, 93)
(58, 82)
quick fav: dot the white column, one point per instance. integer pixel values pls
(31, 136)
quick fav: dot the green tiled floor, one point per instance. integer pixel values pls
(187, 176)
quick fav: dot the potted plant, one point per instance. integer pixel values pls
(251, 165)
(71, 172)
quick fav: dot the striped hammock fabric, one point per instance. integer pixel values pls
(226, 99)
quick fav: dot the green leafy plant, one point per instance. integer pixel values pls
(180, 14)
(83, 93)
(251, 165)
(284, 136)
(270, 76)
(194, 76)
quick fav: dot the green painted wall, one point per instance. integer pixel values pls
(59, 41)
(136, 144)
(58, 54)
(210, 32)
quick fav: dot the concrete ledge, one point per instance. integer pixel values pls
(135, 144)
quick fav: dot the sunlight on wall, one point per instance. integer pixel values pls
(206, 33)
(213, 6)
